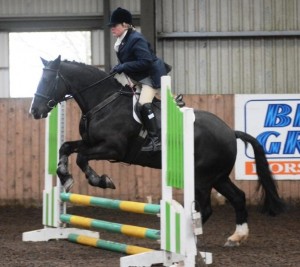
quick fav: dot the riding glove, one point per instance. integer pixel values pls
(118, 69)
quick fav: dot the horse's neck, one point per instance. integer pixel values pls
(86, 90)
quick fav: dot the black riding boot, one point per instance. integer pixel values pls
(149, 122)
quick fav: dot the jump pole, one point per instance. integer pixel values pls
(52, 206)
(129, 230)
(108, 245)
(129, 206)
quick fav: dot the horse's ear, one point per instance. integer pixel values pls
(45, 62)
(58, 59)
(56, 63)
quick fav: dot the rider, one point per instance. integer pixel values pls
(139, 63)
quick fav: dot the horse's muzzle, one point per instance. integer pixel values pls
(37, 115)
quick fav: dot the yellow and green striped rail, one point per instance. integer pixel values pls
(108, 245)
(130, 230)
(129, 206)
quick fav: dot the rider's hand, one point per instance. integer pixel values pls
(118, 69)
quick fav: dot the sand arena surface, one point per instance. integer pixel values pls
(273, 241)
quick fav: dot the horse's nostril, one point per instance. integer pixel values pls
(34, 112)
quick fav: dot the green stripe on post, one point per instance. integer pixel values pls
(168, 226)
(53, 141)
(178, 233)
(52, 205)
(175, 164)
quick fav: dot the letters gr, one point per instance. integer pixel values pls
(279, 116)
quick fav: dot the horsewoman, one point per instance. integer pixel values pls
(138, 61)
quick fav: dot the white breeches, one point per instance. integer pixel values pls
(147, 94)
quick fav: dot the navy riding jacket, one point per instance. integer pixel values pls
(137, 59)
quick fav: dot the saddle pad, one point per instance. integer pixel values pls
(135, 99)
(125, 80)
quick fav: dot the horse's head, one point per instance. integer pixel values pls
(51, 89)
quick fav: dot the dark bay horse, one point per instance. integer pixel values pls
(109, 132)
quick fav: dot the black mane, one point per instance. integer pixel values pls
(92, 69)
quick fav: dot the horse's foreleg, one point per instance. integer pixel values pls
(94, 179)
(237, 199)
(62, 171)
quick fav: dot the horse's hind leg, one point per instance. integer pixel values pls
(94, 179)
(203, 202)
(237, 199)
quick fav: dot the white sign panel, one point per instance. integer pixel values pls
(274, 120)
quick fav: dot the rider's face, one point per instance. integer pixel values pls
(117, 30)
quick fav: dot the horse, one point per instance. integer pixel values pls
(110, 132)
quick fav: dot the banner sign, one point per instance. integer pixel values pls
(274, 120)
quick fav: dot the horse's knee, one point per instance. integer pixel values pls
(65, 149)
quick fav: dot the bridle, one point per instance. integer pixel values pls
(52, 102)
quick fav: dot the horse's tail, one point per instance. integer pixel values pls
(272, 203)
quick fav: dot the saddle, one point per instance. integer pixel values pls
(156, 104)
(130, 86)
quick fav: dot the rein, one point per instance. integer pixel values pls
(96, 83)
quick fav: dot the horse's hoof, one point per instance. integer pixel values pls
(103, 181)
(230, 243)
(68, 184)
(108, 182)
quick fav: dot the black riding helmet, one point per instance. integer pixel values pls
(120, 15)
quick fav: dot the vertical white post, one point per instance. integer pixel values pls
(165, 84)
(189, 185)
(52, 206)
